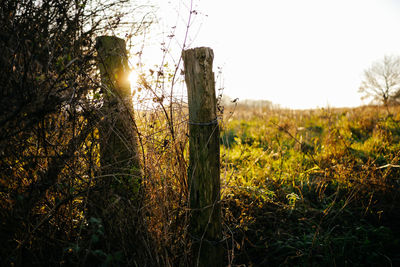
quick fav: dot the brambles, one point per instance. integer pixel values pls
(49, 140)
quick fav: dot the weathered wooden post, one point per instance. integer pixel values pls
(119, 157)
(204, 166)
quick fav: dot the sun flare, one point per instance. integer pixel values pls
(133, 78)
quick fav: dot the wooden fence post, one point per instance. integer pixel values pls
(119, 157)
(204, 166)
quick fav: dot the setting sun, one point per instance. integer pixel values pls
(133, 77)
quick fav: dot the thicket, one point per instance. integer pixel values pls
(50, 175)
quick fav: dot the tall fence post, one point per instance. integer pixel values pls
(119, 157)
(204, 166)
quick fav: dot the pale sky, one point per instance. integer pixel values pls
(299, 54)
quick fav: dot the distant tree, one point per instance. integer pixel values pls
(382, 81)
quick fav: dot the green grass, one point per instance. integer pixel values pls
(312, 188)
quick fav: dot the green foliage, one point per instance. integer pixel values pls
(312, 188)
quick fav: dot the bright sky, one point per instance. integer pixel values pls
(299, 54)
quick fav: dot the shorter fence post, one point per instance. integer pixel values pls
(204, 166)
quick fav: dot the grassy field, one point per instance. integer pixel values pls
(299, 188)
(311, 188)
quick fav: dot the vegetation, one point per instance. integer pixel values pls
(313, 187)
(50, 176)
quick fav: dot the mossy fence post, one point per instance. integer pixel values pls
(119, 159)
(204, 167)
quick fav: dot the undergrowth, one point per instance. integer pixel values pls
(312, 188)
